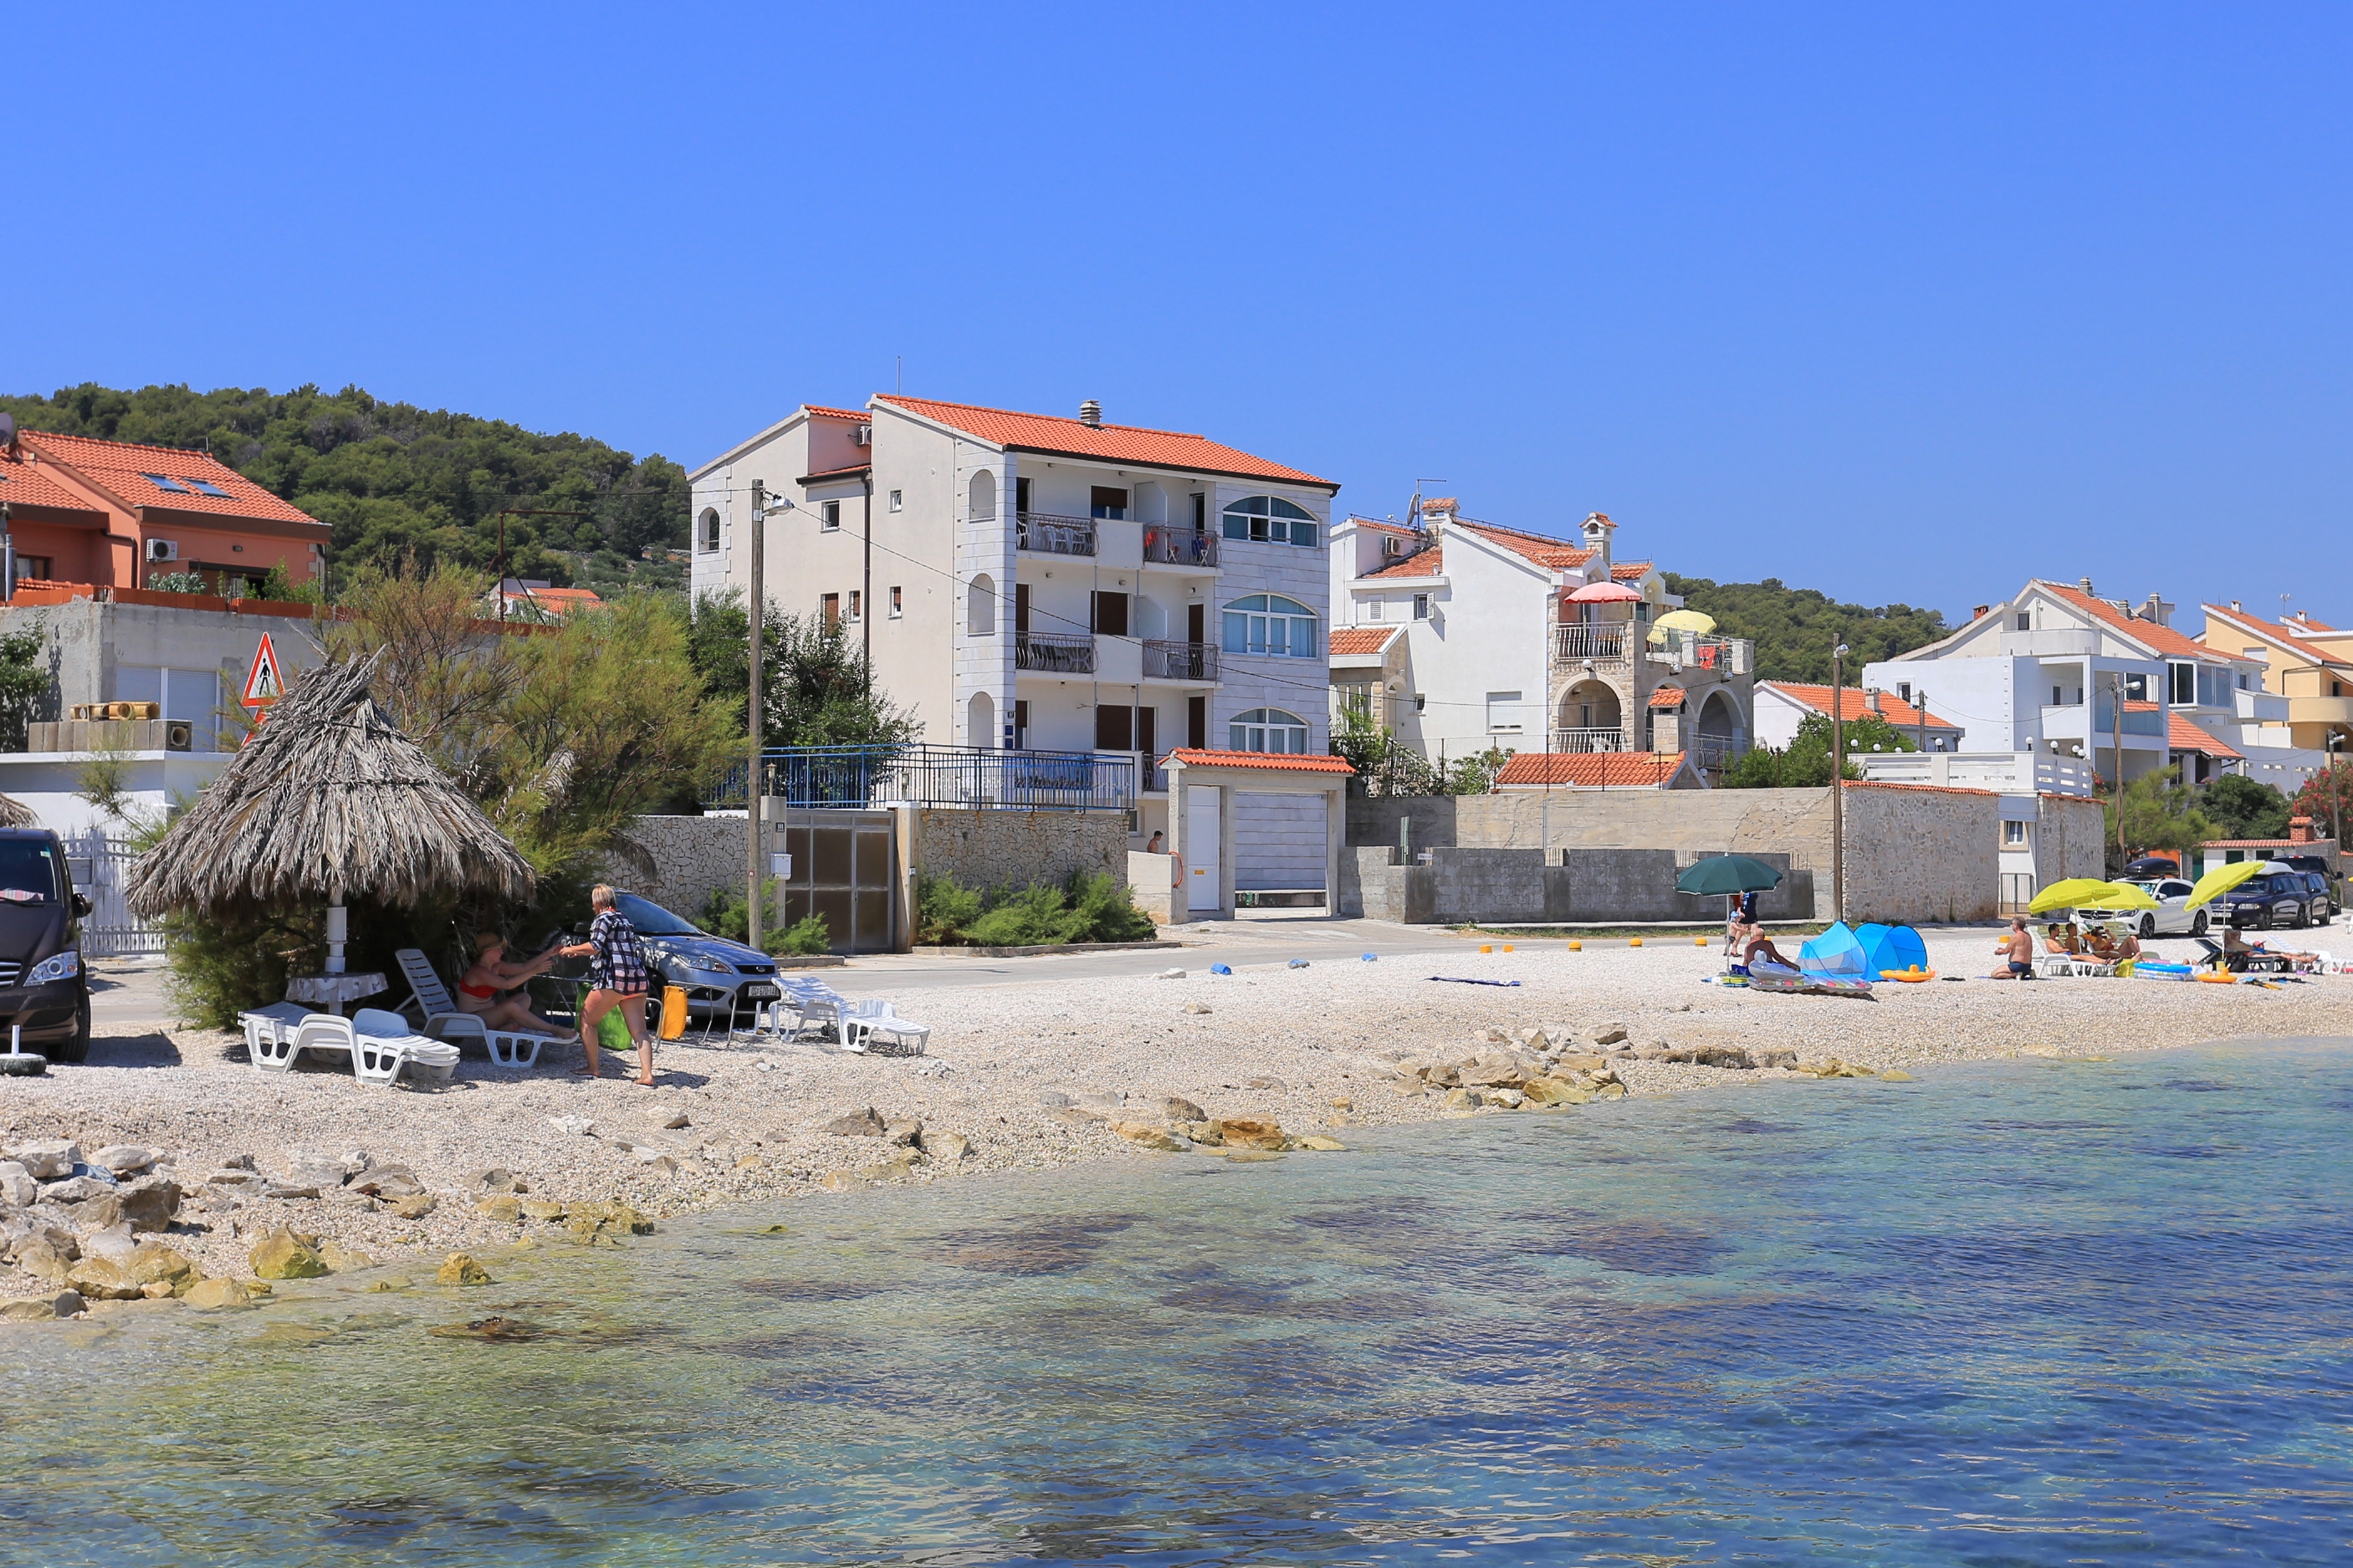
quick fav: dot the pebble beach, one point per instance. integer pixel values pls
(1025, 1074)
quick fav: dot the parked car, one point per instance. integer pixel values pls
(2278, 897)
(44, 993)
(718, 975)
(2153, 866)
(2172, 917)
(2324, 906)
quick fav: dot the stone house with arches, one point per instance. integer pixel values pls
(1463, 636)
(1028, 581)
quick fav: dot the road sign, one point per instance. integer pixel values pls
(264, 685)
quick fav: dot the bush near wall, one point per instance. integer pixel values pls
(1090, 907)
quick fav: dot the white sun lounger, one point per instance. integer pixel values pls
(269, 1034)
(383, 1048)
(866, 1022)
(813, 1004)
(443, 1021)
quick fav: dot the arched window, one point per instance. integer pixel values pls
(980, 608)
(1270, 625)
(980, 498)
(1266, 518)
(1267, 730)
(708, 533)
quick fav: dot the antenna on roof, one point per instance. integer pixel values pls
(8, 432)
(1413, 510)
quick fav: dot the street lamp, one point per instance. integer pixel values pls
(1838, 781)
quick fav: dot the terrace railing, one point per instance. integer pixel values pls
(851, 778)
(1601, 644)
(1591, 740)
(1688, 650)
(1179, 547)
(1053, 535)
(1055, 653)
(1164, 661)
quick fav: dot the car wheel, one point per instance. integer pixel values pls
(2147, 922)
(75, 1051)
(2298, 917)
(2264, 918)
(2196, 926)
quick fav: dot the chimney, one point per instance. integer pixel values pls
(1091, 413)
(2157, 611)
(2237, 607)
(1598, 530)
(1871, 695)
(1979, 613)
(2299, 829)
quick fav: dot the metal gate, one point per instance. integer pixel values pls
(845, 868)
(99, 865)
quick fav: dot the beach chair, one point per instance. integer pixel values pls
(813, 1004)
(439, 1016)
(383, 1048)
(866, 1022)
(269, 1034)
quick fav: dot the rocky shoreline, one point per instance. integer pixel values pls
(162, 1169)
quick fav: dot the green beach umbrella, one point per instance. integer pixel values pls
(2220, 880)
(1720, 875)
(2067, 894)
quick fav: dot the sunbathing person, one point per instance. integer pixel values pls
(2017, 951)
(2061, 940)
(479, 990)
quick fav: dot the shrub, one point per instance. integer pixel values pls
(807, 936)
(1090, 907)
(224, 964)
(724, 915)
(944, 907)
(1109, 908)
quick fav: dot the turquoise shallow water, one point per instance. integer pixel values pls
(2022, 1312)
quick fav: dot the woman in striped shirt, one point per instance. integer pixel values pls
(616, 978)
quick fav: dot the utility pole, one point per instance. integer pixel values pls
(2116, 739)
(752, 927)
(1837, 782)
(1920, 712)
(504, 513)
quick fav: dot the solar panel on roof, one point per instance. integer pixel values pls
(164, 482)
(206, 488)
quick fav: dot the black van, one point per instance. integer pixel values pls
(42, 989)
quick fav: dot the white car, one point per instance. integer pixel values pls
(2172, 916)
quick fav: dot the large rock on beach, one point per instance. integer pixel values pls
(388, 1181)
(415, 1207)
(1145, 1135)
(458, 1269)
(860, 1124)
(104, 1279)
(50, 1161)
(151, 1203)
(342, 1259)
(18, 1188)
(1606, 1033)
(211, 1295)
(1180, 1110)
(504, 1206)
(308, 1170)
(75, 1190)
(492, 1179)
(49, 1304)
(282, 1255)
(126, 1159)
(946, 1148)
(45, 1260)
(902, 1133)
(1250, 1132)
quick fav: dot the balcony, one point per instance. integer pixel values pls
(1712, 750)
(1587, 739)
(1053, 535)
(1164, 661)
(1054, 653)
(1601, 644)
(2004, 773)
(1715, 655)
(1165, 547)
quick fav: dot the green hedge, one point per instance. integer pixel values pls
(1091, 907)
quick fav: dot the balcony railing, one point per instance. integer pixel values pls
(1601, 644)
(1587, 741)
(1712, 750)
(1721, 656)
(1054, 535)
(860, 777)
(1056, 653)
(1164, 661)
(1179, 547)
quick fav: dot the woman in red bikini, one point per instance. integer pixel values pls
(479, 989)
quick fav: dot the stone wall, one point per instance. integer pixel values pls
(1565, 887)
(2070, 840)
(1917, 855)
(994, 849)
(685, 859)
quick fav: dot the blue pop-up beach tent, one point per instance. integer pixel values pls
(1834, 956)
(1890, 947)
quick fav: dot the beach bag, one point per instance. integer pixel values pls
(613, 1029)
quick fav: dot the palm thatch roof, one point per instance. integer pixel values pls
(15, 812)
(328, 800)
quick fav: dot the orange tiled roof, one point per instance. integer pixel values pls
(1360, 639)
(1592, 770)
(2133, 706)
(1851, 705)
(1300, 762)
(2277, 631)
(1555, 554)
(1667, 697)
(1429, 562)
(1103, 443)
(1630, 571)
(822, 411)
(2182, 735)
(2163, 639)
(22, 483)
(121, 468)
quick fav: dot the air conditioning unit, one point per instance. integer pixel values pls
(163, 550)
(1392, 547)
(863, 436)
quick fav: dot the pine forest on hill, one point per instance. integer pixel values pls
(390, 478)
(1795, 628)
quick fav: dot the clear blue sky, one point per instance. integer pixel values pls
(1905, 302)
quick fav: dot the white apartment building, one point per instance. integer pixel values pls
(1463, 635)
(1024, 581)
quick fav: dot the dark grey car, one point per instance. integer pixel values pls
(719, 977)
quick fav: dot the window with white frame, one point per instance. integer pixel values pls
(1503, 712)
(2013, 834)
(1270, 625)
(1271, 518)
(1421, 606)
(706, 535)
(1267, 730)
(897, 503)
(829, 515)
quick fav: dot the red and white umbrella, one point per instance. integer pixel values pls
(1604, 594)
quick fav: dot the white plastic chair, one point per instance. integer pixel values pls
(269, 1034)
(383, 1048)
(868, 1020)
(813, 1004)
(442, 1019)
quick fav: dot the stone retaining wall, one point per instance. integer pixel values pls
(690, 856)
(996, 848)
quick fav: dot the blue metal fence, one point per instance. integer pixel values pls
(851, 777)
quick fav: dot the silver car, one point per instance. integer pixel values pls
(2172, 917)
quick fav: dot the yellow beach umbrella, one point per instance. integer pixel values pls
(1697, 621)
(2116, 895)
(2221, 880)
(2068, 894)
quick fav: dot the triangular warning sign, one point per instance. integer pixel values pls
(263, 684)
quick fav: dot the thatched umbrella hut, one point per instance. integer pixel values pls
(328, 799)
(15, 812)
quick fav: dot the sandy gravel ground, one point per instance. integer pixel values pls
(1311, 1048)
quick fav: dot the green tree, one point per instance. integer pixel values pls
(392, 480)
(814, 686)
(1795, 628)
(25, 681)
(1805, 762)
(2326, 797)
(2158, 811)
(2242, 807)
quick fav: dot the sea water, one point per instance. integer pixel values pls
(2018, 1312)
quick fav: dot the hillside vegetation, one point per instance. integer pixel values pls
(390, 478)
(1795, 628)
